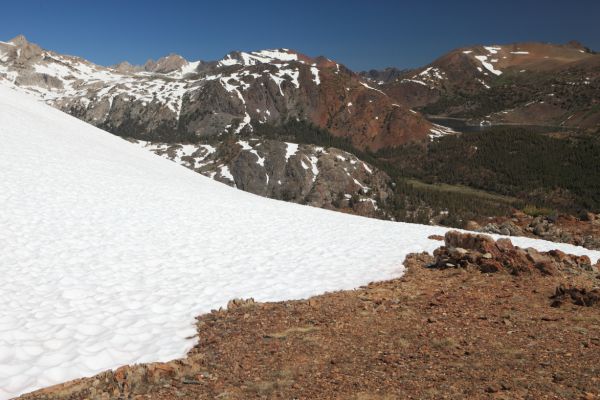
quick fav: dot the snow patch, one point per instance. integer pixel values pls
(259, 57)
(487, 65)
(440, 130)
(225, 173)
(492, 50)
(372, 88)
(315, 73)
(290, 150)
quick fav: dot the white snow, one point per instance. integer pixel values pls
(487, 65)
(245, 122)
(415, 81)
(196, 156)
(189, 68)
(519, 52)
(225, 173)
(290, 150)
(259, 57)
(314, 169)
(431, 72)
(492, 50)
(372, 88)
(246, 146)
(483, 83)
(315, 73)
(109, 251)
(440, 130)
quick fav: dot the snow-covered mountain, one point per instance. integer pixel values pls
(109, 251)
(174, 99)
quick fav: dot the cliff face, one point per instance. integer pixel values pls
(306, 174)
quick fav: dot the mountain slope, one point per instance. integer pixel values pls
(109, 252)
(307, 174)
(526, 83)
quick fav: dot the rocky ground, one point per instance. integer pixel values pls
(583, 231)
(449, 328)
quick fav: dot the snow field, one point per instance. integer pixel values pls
(109, 251)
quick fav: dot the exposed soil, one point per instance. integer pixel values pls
(435, 333)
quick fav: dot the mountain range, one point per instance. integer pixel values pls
(307, 129)
(173, 99)
(521, 83)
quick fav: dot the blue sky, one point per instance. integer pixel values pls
(360, 34)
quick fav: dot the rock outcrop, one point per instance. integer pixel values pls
(306, 174)
(577, 296)
(583, 231)
(465, 250)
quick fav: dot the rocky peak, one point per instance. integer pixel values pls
(164, 65)
(381, 76)
(19, 40)
(126, 67)
(22, 51)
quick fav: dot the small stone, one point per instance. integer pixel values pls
(492, 389)
(458, 252)
(472, 226)
(487, 256)
(436, 237)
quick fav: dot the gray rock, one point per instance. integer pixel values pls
(327, 178)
